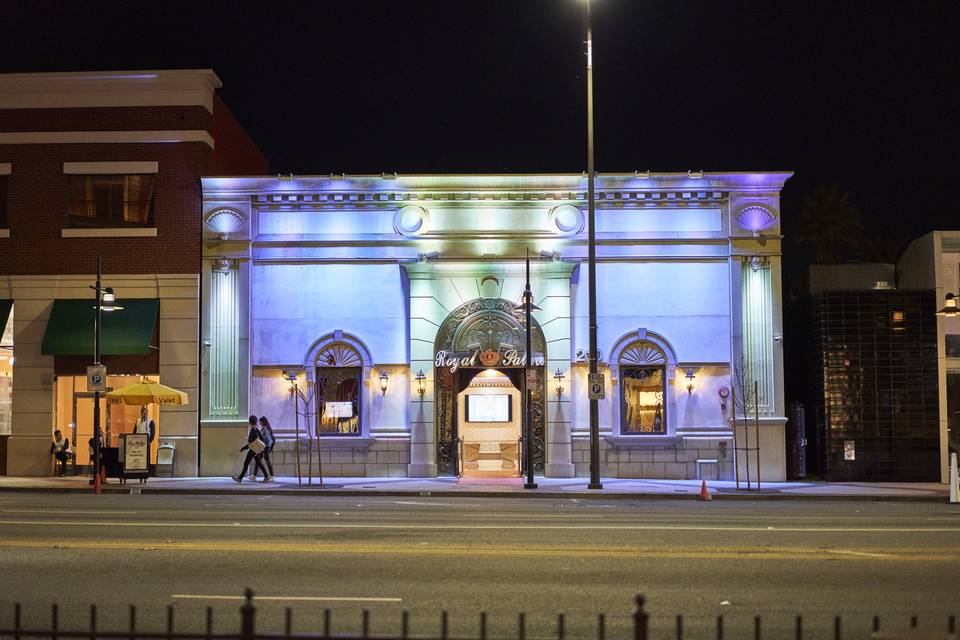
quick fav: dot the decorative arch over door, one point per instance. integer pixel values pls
(484, 333)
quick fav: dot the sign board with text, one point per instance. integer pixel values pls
(595, 386)
(135, 453)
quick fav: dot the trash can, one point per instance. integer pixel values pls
(166, 452)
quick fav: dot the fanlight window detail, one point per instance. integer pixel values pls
(755, 218)
(642, 353)
(339, 354)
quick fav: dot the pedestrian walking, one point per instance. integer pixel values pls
(269, 440)
(254, 446)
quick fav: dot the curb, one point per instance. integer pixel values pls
(543, 495)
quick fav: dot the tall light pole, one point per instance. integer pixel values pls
(104, 300)
(528, 391)
(96, 363)
(592, 261)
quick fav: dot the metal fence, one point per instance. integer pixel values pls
(640, 628)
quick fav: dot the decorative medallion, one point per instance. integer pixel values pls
(225, 221)
(642, 353)
(411, 220)
(489, 358)
(339, 354)
(755, 218)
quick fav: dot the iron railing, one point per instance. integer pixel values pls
(639, 628)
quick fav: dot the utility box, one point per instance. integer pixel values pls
(166, 452)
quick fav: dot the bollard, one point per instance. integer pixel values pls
(522, 626)
(601, 627)
(247, 614)
(93, 622)
(133, 622)
(799, 628)
(209, 624)
(16, 621)
(719, 627)
(954, 479)
(287, 622)
(640, 619)
(404, 624)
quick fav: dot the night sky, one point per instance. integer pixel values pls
(859, 94)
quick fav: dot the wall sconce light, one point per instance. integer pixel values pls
(384, 378)
(421, 383)
(724, 393)
(558, 376)
(291, 377)
(950, 309)
(690, 378)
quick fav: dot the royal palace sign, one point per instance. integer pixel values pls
(488, 358)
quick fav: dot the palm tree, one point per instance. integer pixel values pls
(885, 249)
(830, 222)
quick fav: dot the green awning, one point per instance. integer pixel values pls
(124, 332)
(5, 306)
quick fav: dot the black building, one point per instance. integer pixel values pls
(876, 385)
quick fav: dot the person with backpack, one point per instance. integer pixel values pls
(254, 447)
(269, 440)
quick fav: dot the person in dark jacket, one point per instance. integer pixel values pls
(253, 435)
(269, 440)
(60, 449)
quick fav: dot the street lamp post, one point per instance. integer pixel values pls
(527, 308)
(96, 363)
(104, 300)
(592, 261)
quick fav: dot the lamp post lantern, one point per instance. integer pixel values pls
(592, 262)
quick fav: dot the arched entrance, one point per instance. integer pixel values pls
(485, 333)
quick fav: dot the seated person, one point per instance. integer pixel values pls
(60, 449)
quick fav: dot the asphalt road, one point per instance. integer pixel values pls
(466, 556)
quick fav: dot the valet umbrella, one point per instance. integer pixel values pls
(147, 393)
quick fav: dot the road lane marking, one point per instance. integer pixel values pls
(864, 554)
(58, 511)
(472, 527)
(548, 551)
(190, 596)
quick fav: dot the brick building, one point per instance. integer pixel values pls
(104, 164)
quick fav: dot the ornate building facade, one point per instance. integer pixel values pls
(378, 322)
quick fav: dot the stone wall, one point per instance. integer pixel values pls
(669, 462)
(381, 459)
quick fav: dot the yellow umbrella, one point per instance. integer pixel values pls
(147, 393)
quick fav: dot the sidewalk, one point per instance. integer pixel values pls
(564, 488)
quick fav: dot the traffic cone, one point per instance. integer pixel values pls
(704, 494)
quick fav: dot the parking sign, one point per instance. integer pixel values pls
(96, 378)
(595, 386)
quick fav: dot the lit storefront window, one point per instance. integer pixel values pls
(643, 375)
(338, 400)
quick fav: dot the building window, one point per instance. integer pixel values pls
(3, 201)
(643, 374)
(338, 390)
(111, 200)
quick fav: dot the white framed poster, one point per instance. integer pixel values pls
(135, 452)
(338, 409)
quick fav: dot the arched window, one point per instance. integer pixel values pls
(339, 386)
(643, 377)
